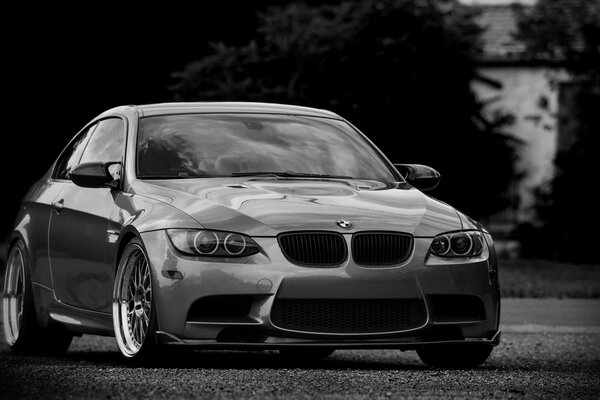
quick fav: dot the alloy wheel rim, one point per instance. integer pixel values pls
(14, 296)
(134, 303)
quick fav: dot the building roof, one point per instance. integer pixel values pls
(499, 23)
(496, 2)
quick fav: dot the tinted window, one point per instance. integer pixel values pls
(107, 142)
(207, 145)
(71, 156)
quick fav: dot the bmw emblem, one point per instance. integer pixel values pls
(342, 223)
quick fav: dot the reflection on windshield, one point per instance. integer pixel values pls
(217, 145)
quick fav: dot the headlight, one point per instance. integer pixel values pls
(212, 243)
(458, 244)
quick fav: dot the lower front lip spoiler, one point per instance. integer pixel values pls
(273, 342)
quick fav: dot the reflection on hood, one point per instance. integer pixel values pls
(267, 207)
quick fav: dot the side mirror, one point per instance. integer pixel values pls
(96, 174)
(420, 176)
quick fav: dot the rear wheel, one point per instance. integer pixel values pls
(466, 356)
(21, 329)
(307, 352)
(134, 314)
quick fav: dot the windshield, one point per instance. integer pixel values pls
(220, 145)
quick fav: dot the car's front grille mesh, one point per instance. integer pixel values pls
(348, 315)
(373, 249)
(320, 249)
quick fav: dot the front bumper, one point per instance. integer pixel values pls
(182, 282)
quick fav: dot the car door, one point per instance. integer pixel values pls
(82, 273)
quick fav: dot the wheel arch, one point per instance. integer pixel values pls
(126, 236)
(13, 238)
(41, 297)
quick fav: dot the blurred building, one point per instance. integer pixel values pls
(528, 90)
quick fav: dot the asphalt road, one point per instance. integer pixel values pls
(542, 355)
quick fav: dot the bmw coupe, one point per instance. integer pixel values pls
(245, 226)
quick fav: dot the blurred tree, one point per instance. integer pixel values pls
(568, 32)
(400, 70)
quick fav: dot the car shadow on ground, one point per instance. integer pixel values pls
(101, 352)
(248, 360)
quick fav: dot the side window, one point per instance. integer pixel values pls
(107, 142)
(71, 156)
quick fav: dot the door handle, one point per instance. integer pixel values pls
(57, 206)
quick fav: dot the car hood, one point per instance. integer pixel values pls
(267, 207)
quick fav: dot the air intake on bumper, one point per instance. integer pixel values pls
(348, 315)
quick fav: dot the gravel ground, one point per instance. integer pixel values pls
(526, 365)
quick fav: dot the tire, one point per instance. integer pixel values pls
(465, 356)
(21, 329)
(134, 313)
(306, 352)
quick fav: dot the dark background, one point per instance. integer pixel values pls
(62, 67)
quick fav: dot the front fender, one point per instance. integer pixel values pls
(144, 214)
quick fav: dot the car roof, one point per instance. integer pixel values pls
(229, 107)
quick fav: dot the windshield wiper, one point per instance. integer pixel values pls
(290, 174)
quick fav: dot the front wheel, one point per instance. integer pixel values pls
(21, 330)
(457, 356)
(134, 314)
